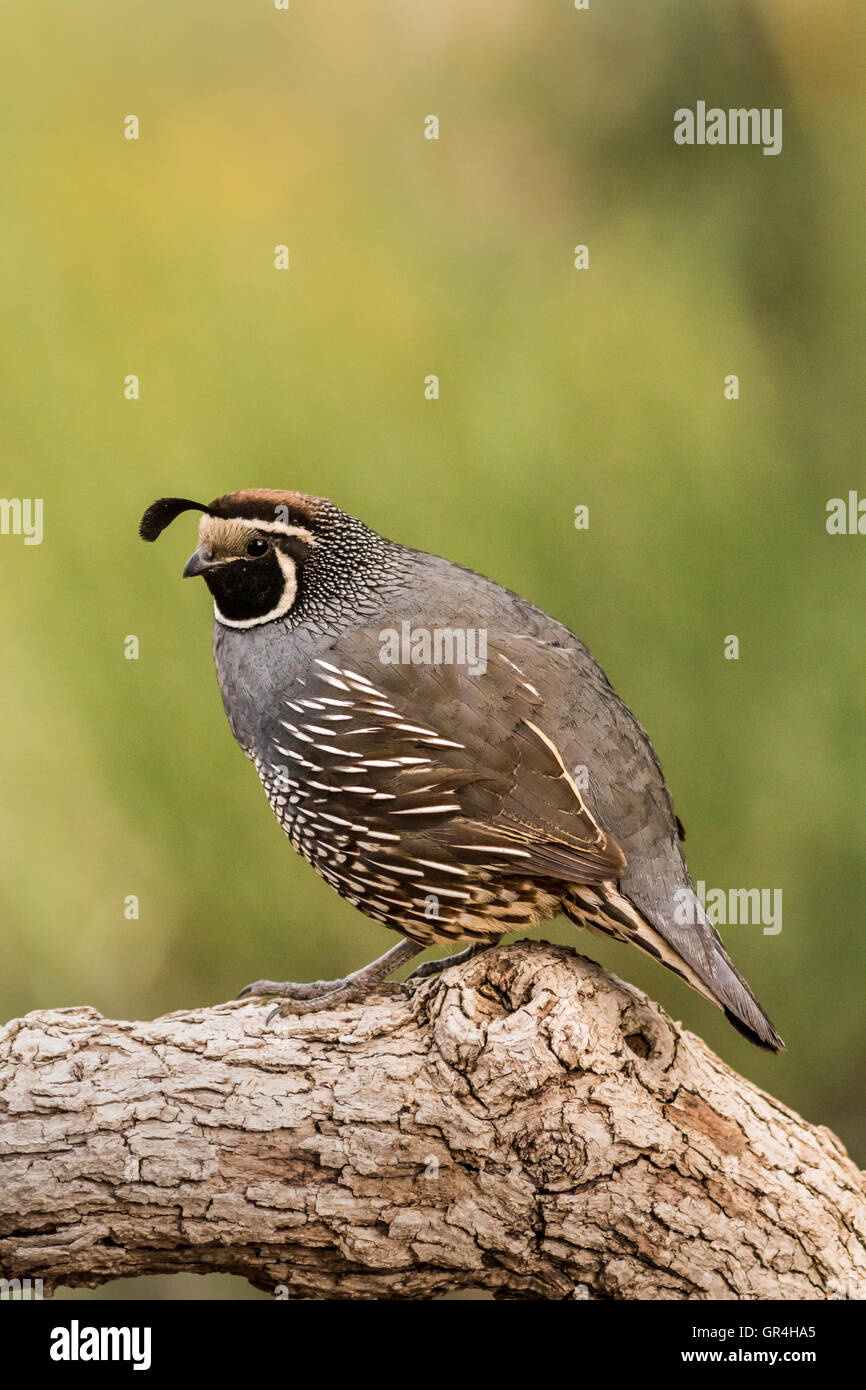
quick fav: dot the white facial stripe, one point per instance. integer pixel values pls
(290, 589)
(221, 531)
(279, 528)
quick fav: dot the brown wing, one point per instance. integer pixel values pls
(432, 765)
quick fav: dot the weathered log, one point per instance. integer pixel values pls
(526, 1124)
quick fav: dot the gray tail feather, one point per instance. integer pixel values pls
(709, 959)
(767, 1037)
(742, 1010)
(694, 952)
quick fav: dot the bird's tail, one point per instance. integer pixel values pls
(693, 951)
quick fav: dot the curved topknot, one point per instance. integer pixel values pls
(162, 513)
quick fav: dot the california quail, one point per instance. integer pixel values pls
(448, 757)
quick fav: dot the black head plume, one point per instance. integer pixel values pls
(163, 512)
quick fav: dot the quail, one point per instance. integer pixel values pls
(447, 756)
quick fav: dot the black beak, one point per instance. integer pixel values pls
(200, 561)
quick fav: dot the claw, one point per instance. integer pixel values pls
(327, 994)
(291, 1008)
(289, 989)
(435, 967)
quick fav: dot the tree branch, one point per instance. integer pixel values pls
(527, 1124)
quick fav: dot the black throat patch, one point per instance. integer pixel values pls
(246, 589)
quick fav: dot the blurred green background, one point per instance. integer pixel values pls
(558, 387)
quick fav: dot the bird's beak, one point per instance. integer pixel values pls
(201, 560)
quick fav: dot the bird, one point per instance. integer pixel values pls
(447, 756)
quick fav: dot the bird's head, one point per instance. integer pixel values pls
(257, 549)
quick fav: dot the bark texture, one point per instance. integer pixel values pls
(525, 1124)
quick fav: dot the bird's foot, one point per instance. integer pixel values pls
(330, 994)
(348, 991)
(305, 998)
(312, 989)
(434, 967)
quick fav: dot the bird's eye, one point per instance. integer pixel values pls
(256, 547)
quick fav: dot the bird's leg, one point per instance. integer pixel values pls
(325, 994)
(433, 967)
